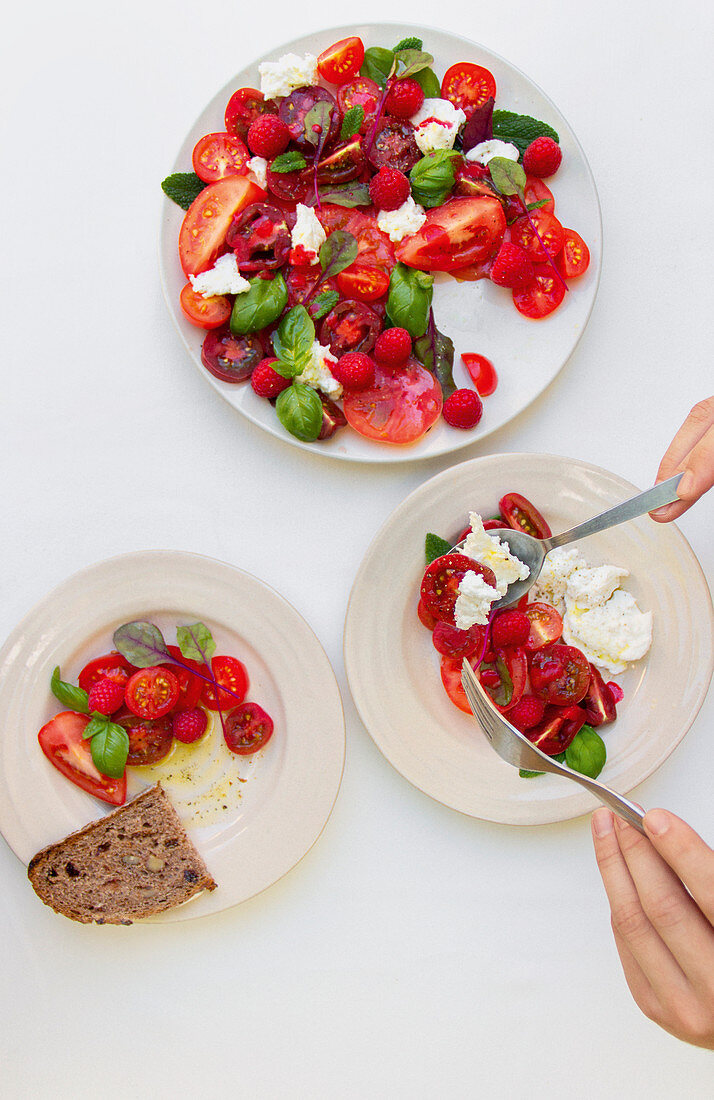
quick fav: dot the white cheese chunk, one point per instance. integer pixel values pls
(487, 150)
(308, 232)
(436, 125)
(491, 551)
(258, 171)
(281, 77)
(609, 634)
(223, 278)
(474, 600)
(402, 222)
(317, 374)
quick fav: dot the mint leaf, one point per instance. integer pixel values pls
(347, 194)
(288, 162)
(337, 253)
(508, 176)
(409, 44)
(299, 410)
(409, 299)
(436, 352)
(69, 695)
(435, 547)
(182, 188)
(520, 130)
(323, 303)
(110, 748)
(353, 119)
(378, 64)
(141, 643)
(195, 642)
(414, 61)
(260, 306)
(293, 342)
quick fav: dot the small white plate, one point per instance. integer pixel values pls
(479, 317)
(393, 668)
(252, 818)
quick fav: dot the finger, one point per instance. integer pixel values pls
(673, 914)
(691, 451)
(637, 981)
(687, 854)
(629, 920)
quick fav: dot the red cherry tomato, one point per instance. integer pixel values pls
(511, 669)
(203, 230)
(441, 580)
(452, 642)
(150, 739)
(599, 703)
(560, 674)
(543, 296)
(538, 191)
(62, 743)
(549, 230)
(244, 107)
(468, 86)
(248, 728)
(219, 155)
(557, 730)
(190, 686)
(521, 515)
(111, 666)
(399, 407)
(574, 260)
(546, 625)
(463, 231)
(230, 673)
(425, 616)
(340, 62)
(205, 312)
(152, 692)
(366, 284)
(482, 372)
(361, 92)
(451, 679)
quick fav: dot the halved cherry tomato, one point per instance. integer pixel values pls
(521, 515)
(203, 230)
(248, 728)
(366, 284)
(111, 666)
(290, 187)
(441, 580)
(451, 679)
(461, 232)
(230, 673)
(190, 686)
(543, 296)
(538, 191)
(425, 616)
(62, 743)
(350, 326)
(574, 260)
(546, 625)
(482, 372)
(344, 164)
(150, 739)
(244, 107)
(557, 730)
(152, 692)
(340, 62)
(399, 407)
(511, 669)
(468, 86)
(452, 642)
(599, 703)
(260, 237)
(560, 674)
(394, 145)
(549, 230)
(205, 312)
(231, 358)
(361, 92)
(218, 155)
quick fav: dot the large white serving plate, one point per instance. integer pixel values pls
(252, 818)
(479, 317)
(393, 668)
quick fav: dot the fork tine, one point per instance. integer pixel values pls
(477, 698)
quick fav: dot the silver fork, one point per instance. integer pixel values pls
(517, 750)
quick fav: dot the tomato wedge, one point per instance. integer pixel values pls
(482, 372)
(521, 515)
(451, 679)
(546, 625)
(110, 666)
(208, 218)
(248, 728)
(230, 673)
(218, 155)
(558, 729)
(574, 260)
(461, 232)
(366, 284)
(62, 743)
(152, 692)
(468, 86)
(205, 312)
(399, 407)
(599, 703)
(341, 61)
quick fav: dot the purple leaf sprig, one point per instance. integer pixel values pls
(379, 112)
(317, 129)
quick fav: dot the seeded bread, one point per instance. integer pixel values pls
(133, 863)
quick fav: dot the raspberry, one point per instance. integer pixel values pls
(389, 189)
(189, 725)
(404, 99)
(393, 347)
(105, 695)
(268, 136)
(267, 382)
(510, 628)
(355, 370)
(512, 267)
(463, 409)
(527, 713)
(542, 157)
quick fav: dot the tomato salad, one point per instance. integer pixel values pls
(316, 219)
(547, 689)
(130, 706)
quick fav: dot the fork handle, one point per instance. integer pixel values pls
(664, 493)
(617, 802)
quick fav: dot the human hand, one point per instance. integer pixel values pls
(691, 450)
(661, 893)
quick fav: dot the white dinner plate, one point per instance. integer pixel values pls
(479, 317)
(252, 818)
(393, 668)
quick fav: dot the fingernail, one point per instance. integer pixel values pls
(657, 822)
(602, 822)
(662, 512)
(686, 485)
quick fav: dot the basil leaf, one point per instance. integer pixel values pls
(520, 130)
(110, 748)
(429, 83)
(537, 205)
(409, 299)
(69, 695)
(524, 774)
(353, 119)
(436, 352)
(299, 410)
(316, 122)
(337, 253)
(435, 547)
(293, 342)
(259, 306)
(196, 642)
(409, 44)
(432, 178)
(347, 194)
(508, 175)
(322, 304)
(586, 753)
(378, 64)
(182, 188)
(95, 725)
(414, 61)
(288, 162)
(141, 643)
(479, 126)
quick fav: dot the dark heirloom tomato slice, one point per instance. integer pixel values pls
(574, 260)
(441, 580)
(509, 676)
(230, 673)
(398, 407)
(231, 358)
(62, 743)
(546, 625)
(468, 86)
(150, 739)
(366, 284)
(204, 312)
(152, 692)
(521, 515)
(394, 145)
(461, 232)
(599, 703)
(219, 155)
(560, 674)
(350, 326)
(343, 165)
(111, 666)
(550, 232)
(341, 61)
(361, 92)
(260, 238)
(557, 730)
(290, 186)
(203, 230)
(452, 642)
(543, 296)
(294, 107)
(248, 728)
(332, 418)
(244, 107)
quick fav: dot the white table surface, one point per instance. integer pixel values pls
(414, 952)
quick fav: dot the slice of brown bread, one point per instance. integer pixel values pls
(133, 863)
